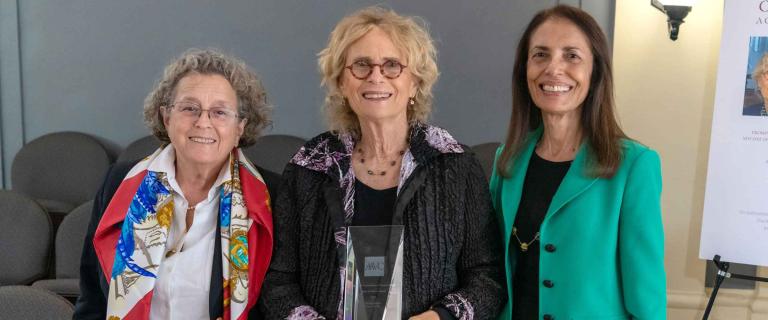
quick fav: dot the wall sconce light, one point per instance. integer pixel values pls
(676, 10)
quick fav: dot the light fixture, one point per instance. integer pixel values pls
(676, 11)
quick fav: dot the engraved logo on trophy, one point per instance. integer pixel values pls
(374, 267)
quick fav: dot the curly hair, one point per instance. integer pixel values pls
(407, 33)
(251, 96)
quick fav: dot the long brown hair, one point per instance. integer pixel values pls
(598, 121)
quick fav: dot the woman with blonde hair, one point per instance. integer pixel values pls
(760, 76)
(381, 164)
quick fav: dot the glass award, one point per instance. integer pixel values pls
(373, 287)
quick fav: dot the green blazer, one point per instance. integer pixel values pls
(608, 258)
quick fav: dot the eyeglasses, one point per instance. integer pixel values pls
(362, 69)
(192, 111)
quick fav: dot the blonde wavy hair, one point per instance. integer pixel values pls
(409, 34)
(760, 69)
(251, 97)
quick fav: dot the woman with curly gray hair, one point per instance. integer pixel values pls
(382, 165)
(185, 233)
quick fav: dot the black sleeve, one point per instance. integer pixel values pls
(443, 313)
(281, 293)
(92, 302)
(272, 180)
(483, 289)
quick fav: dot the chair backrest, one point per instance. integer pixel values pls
(272, 152)
(139, 149)
(62, 166)
(69, 241)
(485, 153)
(25, 239)
(23, 302)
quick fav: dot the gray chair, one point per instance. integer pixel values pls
(25, 239)
(272, 152)
(60, 170)
(485, 152)
(69, 248)
(23, 303)
(139, 149)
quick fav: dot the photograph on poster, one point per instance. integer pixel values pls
(756, 84)
(735, 214)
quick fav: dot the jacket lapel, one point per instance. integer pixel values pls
(334, 201)
(575, 182)
(409, 189)
(513, 186)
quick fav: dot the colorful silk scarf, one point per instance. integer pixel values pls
(131, 239)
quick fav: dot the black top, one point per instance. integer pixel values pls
(373, 207)
(541, 182)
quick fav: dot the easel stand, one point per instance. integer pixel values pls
(722, 273)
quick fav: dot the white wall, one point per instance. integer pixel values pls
(665, 94)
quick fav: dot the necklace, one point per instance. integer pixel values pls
(392, 163)
(524, 245)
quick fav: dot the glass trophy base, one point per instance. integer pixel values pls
(373, 285)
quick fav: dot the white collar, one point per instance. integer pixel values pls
(166, 162)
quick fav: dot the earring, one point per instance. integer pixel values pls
(411, 101)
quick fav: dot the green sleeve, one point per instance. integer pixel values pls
(641, 240)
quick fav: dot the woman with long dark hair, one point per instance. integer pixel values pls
(579, 201)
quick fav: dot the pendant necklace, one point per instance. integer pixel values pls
(524, 245)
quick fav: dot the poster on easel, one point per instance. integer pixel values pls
(735, 222)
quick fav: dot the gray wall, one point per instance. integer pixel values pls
(87, 65)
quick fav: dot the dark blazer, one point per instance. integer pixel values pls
(92, 303)
(451, 259)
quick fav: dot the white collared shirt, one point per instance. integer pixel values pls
(182, 287)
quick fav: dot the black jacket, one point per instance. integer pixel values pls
(452, 257)
(92, 303)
